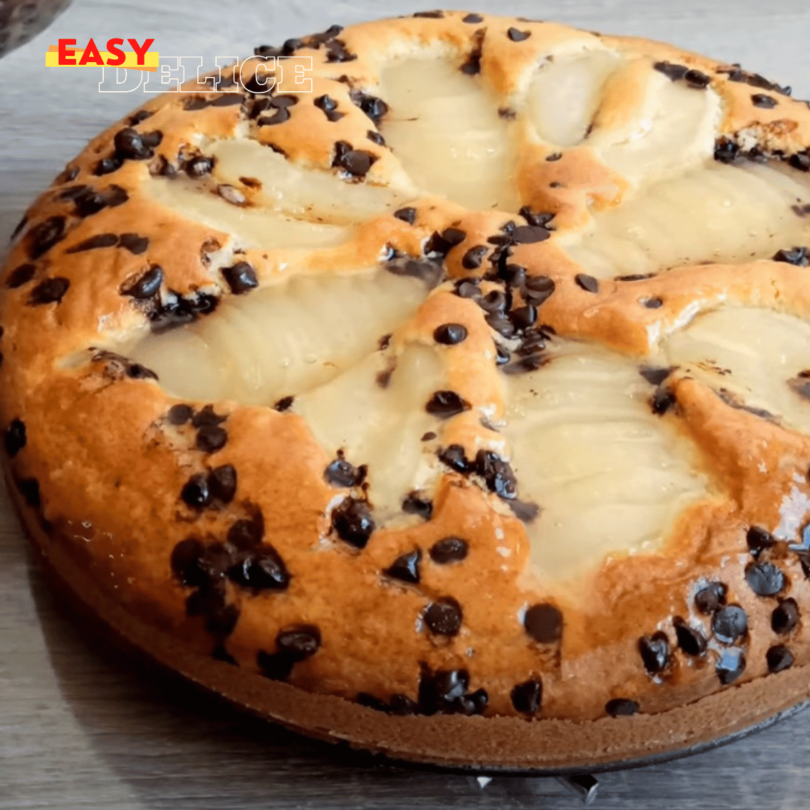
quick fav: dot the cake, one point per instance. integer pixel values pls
(450, 402)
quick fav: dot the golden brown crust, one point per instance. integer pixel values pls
(102, 467)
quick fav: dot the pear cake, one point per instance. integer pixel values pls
(455, 406)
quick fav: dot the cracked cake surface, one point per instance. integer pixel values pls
(466, 387)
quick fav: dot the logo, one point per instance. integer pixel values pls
(65, 54)
(125, 71)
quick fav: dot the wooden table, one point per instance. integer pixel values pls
(81, 727)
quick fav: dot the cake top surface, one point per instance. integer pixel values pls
(483, 347)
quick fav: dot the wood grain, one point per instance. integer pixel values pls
(82, 727)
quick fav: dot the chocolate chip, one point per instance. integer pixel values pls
(474, 703)
(494, 302)
(14, 438)
(428, 272)
(445, 404)
(185, 562)
(798, 256)
(299, 642)
(402, 705)
(375, 137)
(661, 401)
(430, 15)
(275, 666)
(48, 291)
(353, 523)
(355, 161)
(779, 658)
(284, 404)
(102, 240)
(525, 364)
(340, 473)
(513, 275)
(671, 71)
(518, 36)
(730, 665)
(544, 623)
(247, 533)
(130, 146)
(538, 289)
(735, 74)
(240, 277)
(539, 219)
(525, 511)
(759, 540)
(587, 283)
(450, 334)
(654, 651)
(108, 165)
(20, 275)
(443, 617)
(729, 624)
(146, 285)
(261, 569)
(473, 19)
(471, 66)
(690, 640)
(467, 288)
(761, 100)
(29, 489)
(195, 492)
(222, 482)
(530, 234)
(135, 244)
(406, 215)
(375, 108)
(785, 617)
(652, 303)
(90, 201)
(414, 504)
(138, 372)
(406, 567)
(474, 257)
(454, 457)
(207, 416)
(41, 238)
(694, 78)
(442, 243)
(621, 707)
(219, 653)
(199, 166)
(709, 599)
(439, 690)
(280, 116)
(524, 317)
(192, 103)
(528, 696)
(635, 277)
(180, 414)
(449, 550)
(764, 578)
(325, 103)
(496, 473)
(139, 116)
(211, 438)
(800, 161)
(371, 702)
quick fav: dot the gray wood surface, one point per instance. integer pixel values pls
(82, 727)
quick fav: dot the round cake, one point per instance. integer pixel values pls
(439, 385)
